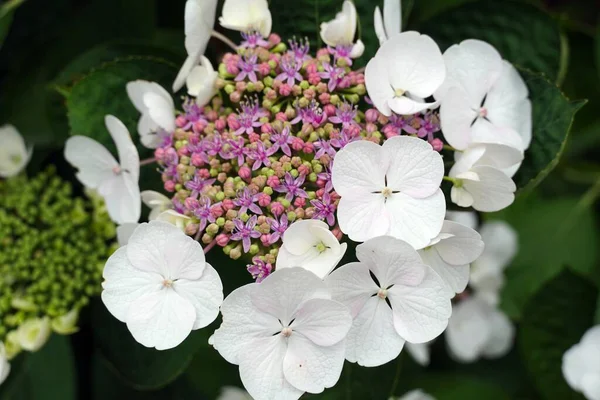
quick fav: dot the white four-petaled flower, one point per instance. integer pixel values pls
(341, 30)
(392, 189)
(393, 298)
(407, 68)
(311, 245)
(199, 21)
(160, 285)
(478, 329)
(157, 109)
(450, 254)
(581, 365)
(391, 22)
(116, 182)
(483, 99)
(14, 155)
(247, 16)
(285, 333)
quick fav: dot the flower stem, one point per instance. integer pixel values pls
(210, 246)
(147, 161)
(448, 179)
(224, 39)
(396, 377)
(449, 148)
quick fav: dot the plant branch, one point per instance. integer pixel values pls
(224, 39)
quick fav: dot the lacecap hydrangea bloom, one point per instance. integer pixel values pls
(53, 246)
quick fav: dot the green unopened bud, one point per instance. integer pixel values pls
(268, 190)
(220, 221)
(312, 177)
(229, 88)
(220, 196)
(235, 253)
(280, 48)
(254, 249)
(291, 216)
(212, 229)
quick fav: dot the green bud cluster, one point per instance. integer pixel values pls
(53, 246)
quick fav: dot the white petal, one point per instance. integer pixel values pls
(379, 28)
(493, 192)
(161, 319)
(298, 238)
(416, 221)
(183, 257)
(415, 168)
(123, 284)
(507, 103)
(161, 111)
(502, 333)
(461, 197)
(199, 21)
(4, 365)
(352, 285)
(363, 216)
(341, 30)
(129, 158)
(421, 312)
(466, 218)
(201, 82)
(324, 322)
(501, 244)
(455, 277)
(392, 261)
(590, 386)
(474, 66)
(484, 131)
(378, 86)
(360, 167)
(205, 294)
(125, 231)
(94, 161)
(136, 90)
(392, 16)
(233, 393)
(313, 368)
(242, 323)
(174, 218)
(122, 197)
(261, 369)
(574, 365)
(147, 246)
(468, 331)
(404, 105)
(464, 247)
(190, 62)
(499, 156)
(320, 264)
(157, 202)
(373, 340)
(419, 352)
(416, 394)
(456, 118)
(358, 49)
(247, 16)
(283, 292)
(414, 63)
(14, 155)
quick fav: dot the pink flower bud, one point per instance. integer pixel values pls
(227, 204)
(197, 160)
(300, 202)
(308, 148)
(159, 154)
(264, 200)
(325, 98)
(264, 69)
(265, 240)
(297, 144)
(181, 121)
(169, 186)
(370, 128)
(337, 233)
(329, 109)
(371, 115)
(191, 203)
(280, 116)
(266, 128)
(277, 208)
(191, 229)
(233, 122)
(222, 239)
(235, 97)
(245, 173)
(304, 169)
(437, 144)
(274, 39)
(232, 69)
(254, 137)
(273, 181)
(312, 68)
(285, 89)
(203, 173)
(220, 124)
(314, 79)
(216, 211)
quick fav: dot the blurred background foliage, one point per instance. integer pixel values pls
(64, 65)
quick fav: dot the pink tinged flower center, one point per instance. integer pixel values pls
(483, 112)
(117, 170)
(167, 283)
(287, 331)
(382, 294)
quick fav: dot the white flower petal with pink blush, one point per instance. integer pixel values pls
(311, 245)
(392, 189)
(450, 254)
(341, 30)
(161, 286)
(4, 364)
(477, 329)
(581, 365)
(393, 298)
(483, 96)
(408, 66)
(157, 109)
(487, 272)
(14, 154)
(199, 21)
(201, 82)
(483, 187)
(391, 22)
(157, 202)
(116, 182)
(285, 333)
(247, 16)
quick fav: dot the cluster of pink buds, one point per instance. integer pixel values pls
(259, 156)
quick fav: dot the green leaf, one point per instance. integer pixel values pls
(552, 118)
(554, 320)
(597, 317)
(553, 234)
(140, 367)
(452, 386)
(523, 34)
(6, 17)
